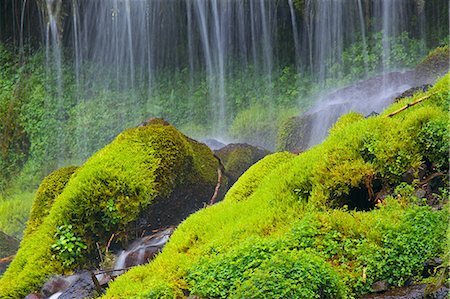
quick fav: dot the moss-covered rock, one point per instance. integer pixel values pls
(294, 133)
(434, 66)
(253, 177)
(148, 177)
(52, 186)
(291, 208)
(236, 158)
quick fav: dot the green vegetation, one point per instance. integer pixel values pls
(44, 128)
(107, 195)
(68, 247)
(14, 212)
(298, 209)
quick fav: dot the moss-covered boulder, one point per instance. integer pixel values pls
(434, 66)
(236, 158)
(148, 177)
(296, 208)
(294, 133)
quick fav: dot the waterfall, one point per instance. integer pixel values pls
(136, 58)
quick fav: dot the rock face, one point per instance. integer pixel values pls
(143, 250)
(411, 292)
(149, 177)
(372, 95)
(435, 65)
(236, 158)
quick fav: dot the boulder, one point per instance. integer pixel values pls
(236, 158)
(411, 292)
(434, 66)
(366, 97)
(410, 92)
(213, 144)
(149, 177)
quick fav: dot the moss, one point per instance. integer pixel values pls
(293, 134)
(116, 188)
(435, 65)
(290, 208)
(253, 177)
(52, 186)
(237, 158)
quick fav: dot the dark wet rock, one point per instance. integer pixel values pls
(54, 285)
(374, 94)
(410, 92)
(213, 144)
(373, 113)
(421, 291)
(8, 245)
(236, 158)
(431, 265)
(143, 250)
(81, 287)
(440, 293)
(380, 286)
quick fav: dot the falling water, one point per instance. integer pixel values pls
(131, 46)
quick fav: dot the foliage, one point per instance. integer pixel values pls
(107, 194)
(14, 212)
(68, 247)
(288, 209)
(260, 270)
(368, 57)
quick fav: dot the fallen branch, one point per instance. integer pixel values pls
(7, 259)
(428, 179)
(410, 105)
(216, 190)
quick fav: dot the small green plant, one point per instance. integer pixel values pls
(68, 247)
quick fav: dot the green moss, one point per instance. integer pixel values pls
(106, 195)
(253, 177)
(50, 188)
(288, 208)
(293, 133)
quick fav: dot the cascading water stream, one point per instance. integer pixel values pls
(133, 48)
